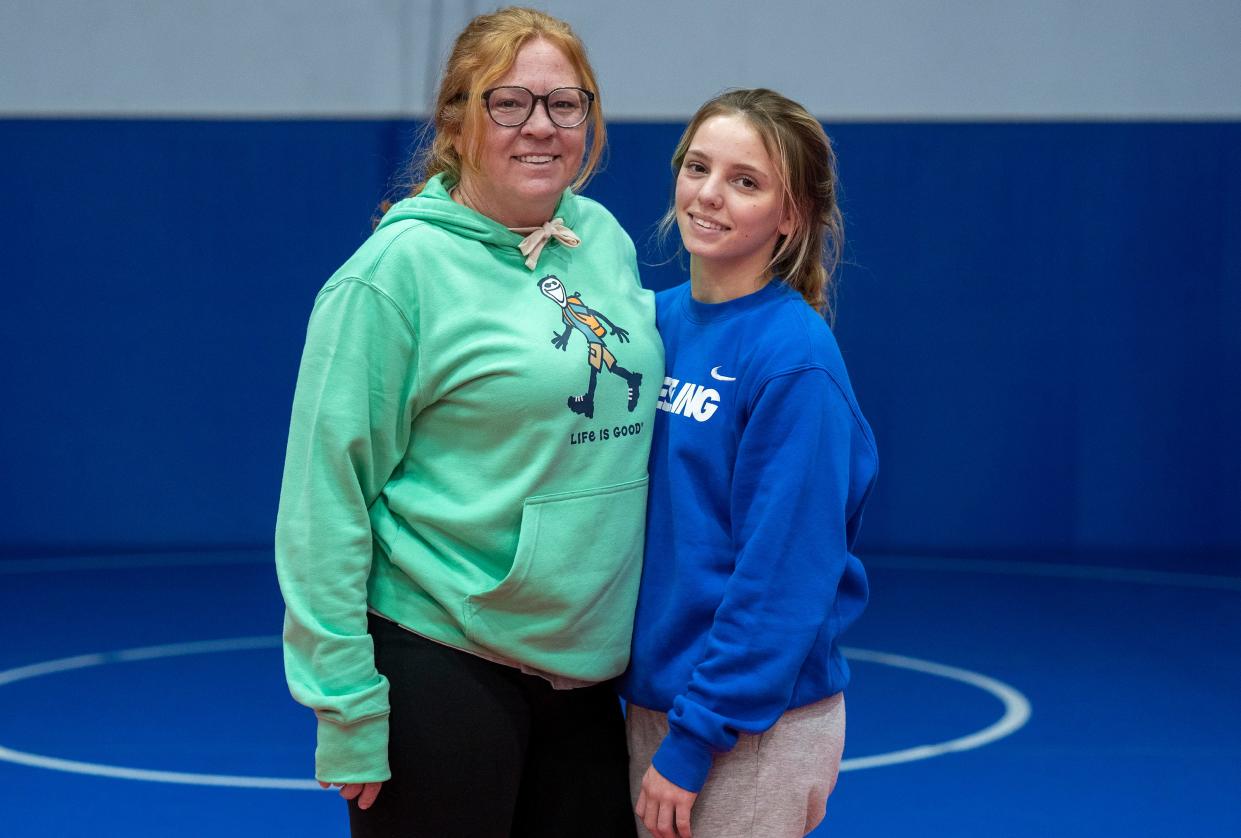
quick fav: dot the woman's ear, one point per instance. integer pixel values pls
(788, 224)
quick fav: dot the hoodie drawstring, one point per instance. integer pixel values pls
(532, 245)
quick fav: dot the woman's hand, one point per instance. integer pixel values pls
(664, 807)
(365, 792)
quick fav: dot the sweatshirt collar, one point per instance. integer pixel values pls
(700, 312)
(434, 205)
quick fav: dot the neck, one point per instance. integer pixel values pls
(526, 215)
(715, 282)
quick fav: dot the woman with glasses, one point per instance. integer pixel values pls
(461, 519)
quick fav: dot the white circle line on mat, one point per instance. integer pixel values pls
(235, 644)
(1016, 711)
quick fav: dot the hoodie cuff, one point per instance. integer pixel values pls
(355, 753)
(683, 761)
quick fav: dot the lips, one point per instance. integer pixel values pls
(707, 224)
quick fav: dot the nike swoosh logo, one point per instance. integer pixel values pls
(715, 373)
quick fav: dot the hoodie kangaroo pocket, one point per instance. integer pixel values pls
(567, 604)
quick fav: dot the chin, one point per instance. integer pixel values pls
(542, 188)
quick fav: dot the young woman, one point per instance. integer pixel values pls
(461, 519)
(761, 463)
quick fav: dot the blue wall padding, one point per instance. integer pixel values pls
(1040, 320)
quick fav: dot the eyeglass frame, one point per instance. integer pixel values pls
(534, 101)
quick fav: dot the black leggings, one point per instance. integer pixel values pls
(482, 750)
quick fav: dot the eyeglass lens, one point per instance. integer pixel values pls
(566, 106)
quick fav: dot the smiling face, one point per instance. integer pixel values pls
(553, 289)
(524, 169)
(730, 205)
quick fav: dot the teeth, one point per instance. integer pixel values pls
(536, 158)
(708, 225)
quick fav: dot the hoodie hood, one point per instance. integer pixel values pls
(433, 205)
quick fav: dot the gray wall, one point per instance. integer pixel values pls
(888, 59)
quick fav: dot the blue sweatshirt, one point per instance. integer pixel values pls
(761, 463)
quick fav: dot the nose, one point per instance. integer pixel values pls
(540, 122)
(711, 194)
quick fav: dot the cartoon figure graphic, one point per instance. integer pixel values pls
(577, 315)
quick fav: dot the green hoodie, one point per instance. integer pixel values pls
(447, 469)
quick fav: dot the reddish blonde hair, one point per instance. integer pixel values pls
(484, 51)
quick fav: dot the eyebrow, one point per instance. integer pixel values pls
(740, 167)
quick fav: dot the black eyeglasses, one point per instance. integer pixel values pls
(567, 107)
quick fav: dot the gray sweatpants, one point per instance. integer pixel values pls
(771, 785)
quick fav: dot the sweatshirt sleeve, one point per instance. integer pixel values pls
(788, 505)
(349, 430)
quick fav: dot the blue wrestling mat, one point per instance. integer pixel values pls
(144, 696)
